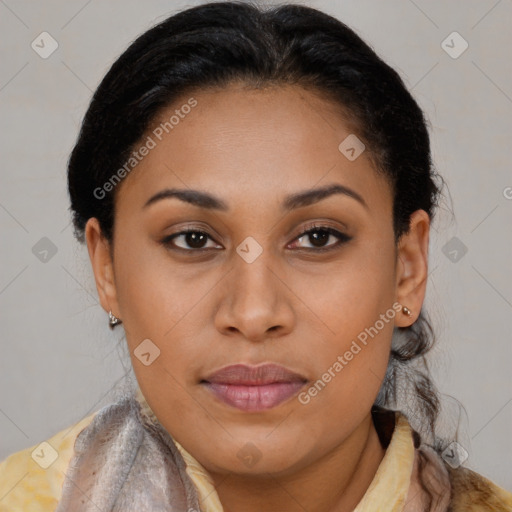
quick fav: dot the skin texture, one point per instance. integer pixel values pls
(291, 305)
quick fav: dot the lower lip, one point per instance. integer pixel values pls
(254, 398)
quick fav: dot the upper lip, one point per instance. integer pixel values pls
(246, 375)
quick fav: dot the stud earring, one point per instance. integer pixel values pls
(113, 320)
(406, 311)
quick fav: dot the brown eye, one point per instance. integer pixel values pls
(188, 240)
(319, 236)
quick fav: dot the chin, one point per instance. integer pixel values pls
(258, 456)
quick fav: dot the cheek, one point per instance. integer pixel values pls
(346, 385)
(356, 321)
(153, 293)
(159, 312)
(351, 294)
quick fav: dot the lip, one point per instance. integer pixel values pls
(254, 388)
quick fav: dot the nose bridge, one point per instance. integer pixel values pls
(256, 300)
(253, 270)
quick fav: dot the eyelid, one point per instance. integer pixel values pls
(318, 225)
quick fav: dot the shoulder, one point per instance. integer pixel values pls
(451, 489)
(31, 479)
(472, 492)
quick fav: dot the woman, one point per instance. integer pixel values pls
(255, 189)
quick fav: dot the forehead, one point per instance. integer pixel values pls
(244, 144)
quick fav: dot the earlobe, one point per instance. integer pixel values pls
(412, 267)
(102, 265)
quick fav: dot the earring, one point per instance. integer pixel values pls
(406, 311)
(113, 320)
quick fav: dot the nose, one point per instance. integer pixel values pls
(258, 303)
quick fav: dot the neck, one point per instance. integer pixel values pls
(334, 483)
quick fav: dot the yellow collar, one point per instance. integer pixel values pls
(387, 491)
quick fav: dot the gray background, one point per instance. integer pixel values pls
(58, 358)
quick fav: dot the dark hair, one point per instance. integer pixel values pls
(214, 44)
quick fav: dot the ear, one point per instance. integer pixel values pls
(102, 265)
(412, 267)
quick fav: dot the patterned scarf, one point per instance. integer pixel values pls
(123, 461)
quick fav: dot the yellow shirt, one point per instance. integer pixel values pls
(25, 484)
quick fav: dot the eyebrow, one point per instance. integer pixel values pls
(290, 202)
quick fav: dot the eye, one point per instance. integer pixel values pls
(191, 239)
(319, 236)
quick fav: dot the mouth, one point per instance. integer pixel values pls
(254, 388)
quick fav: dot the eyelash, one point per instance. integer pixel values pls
(342, 239)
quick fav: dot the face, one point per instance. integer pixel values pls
(270, 273)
